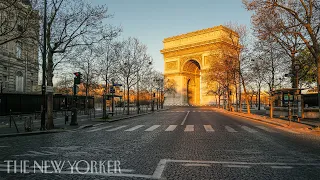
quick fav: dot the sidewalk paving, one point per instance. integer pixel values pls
(84, 121)
(302, 126)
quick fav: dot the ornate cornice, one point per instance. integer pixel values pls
(202, 31)
(198, 49)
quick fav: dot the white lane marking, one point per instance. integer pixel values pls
(97, 124)
(208, 128)
(236, 166)
(230, 129)
(189, 128)
(248, 129)
(152, 128)
(196, 165)
(90, 174)
(98, 129)
(193, 111)
(159, 170)
(288, 130)
(185, 118)
(266, 129)
(281, 167)
(243, 163)
(37, 153)
(117, 128)
(4, 146)
(171, 128)
(134, 128)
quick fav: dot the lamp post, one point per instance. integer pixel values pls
(44, 65)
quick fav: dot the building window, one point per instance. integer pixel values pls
(32, 86)
(18, 50)
(19, 81)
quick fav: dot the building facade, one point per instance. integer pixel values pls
(18, 48)
(188, 58)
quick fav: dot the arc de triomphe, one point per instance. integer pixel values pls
(188, 56)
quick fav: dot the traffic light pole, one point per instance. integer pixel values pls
(74, 121)
(44, 59)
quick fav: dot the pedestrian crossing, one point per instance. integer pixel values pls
(185, 128)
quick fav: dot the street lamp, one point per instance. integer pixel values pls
(44, 59)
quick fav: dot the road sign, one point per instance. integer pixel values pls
(112, 90)
(49, 89)
(117, 84)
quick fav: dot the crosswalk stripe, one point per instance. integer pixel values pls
(230, 129)
(152, 128)
(134, 128)
(171, 128)
(208, 128)
(189, 128)
(248, 129)
(117, 128)
(266, 129)
(98, 129)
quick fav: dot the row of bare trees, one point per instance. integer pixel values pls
(284, 50)
(78, 37)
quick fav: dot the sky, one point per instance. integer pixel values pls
(153, 20)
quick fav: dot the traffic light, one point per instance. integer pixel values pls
(77, 77)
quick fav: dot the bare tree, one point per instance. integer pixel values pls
(133, 59)
(84, 58)
(107, 60)
(72, 23)
(306, 14)
(18, 20)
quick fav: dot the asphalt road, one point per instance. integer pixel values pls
(181, 143)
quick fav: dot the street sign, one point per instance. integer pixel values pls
(117, 84)
(289, 75)
(112, 90)
(49, 89)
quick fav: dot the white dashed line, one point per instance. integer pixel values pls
(230, 129)
(98, 129)
(117, 128)
(152, 128)
(189, 128)
(248, 129)
(171, 128)
(208, 128)
(134, 128)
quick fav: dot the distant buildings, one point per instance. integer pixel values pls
(19, 27)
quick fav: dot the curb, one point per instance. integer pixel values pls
(32, 133)
(256, 119)
(133, 116)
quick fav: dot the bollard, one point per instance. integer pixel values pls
(73, 117)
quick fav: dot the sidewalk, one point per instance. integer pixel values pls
(315, 123)
(84, 121)
(274, 121)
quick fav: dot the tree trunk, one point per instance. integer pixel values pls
(219, 102)
(259, 94)
(318, 82)
(128, 101)
(49, 124)
(246, 96)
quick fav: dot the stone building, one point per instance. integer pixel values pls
(18, 47)
(187, 59)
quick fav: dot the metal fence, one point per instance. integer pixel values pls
(31, 103)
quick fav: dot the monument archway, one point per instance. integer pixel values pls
(189, 56)
(192, 75)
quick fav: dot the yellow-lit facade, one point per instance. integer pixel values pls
(188, 56)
